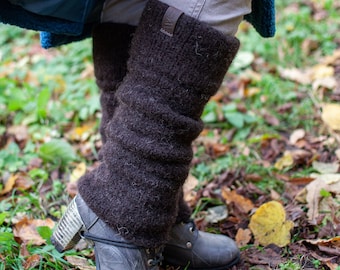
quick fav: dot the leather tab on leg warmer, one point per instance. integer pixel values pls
(169, 21)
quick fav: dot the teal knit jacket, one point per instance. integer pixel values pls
(70, 21)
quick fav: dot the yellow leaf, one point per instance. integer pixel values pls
(269, 225)
(78, 172)
(285, 161)
(322, 71)
(9, 184)
(331, 115)
(82, 133)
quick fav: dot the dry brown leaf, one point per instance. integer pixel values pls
(218, 149)
(189, 189)
(327, 182)
(337, 152)
(20, 132)
(269, 225)
(331, 59)
(9, 184)
(330, 246)
(72, 189)
(80, 263)
(243, 237)
(23, 181)
(26, 230)
(32, 261)
(331, 115)
(244, 204)
(325, 168)
(328, 83)
(296, 75)
(332, 266)
(297, 135)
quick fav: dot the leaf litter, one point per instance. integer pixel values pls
(295, 220)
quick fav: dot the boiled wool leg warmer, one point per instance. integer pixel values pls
(147, 154)
(111, 45)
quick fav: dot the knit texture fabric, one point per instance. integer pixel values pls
(111, 44)
(146, 157)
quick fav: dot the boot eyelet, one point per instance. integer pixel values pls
(189, 245)
(151, 262)
(191, 229)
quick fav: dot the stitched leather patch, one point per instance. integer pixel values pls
(169, 21)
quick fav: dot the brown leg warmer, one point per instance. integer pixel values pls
(111, 45)
(147, 153)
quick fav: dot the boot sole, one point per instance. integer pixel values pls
(66, 234)
(225, 267)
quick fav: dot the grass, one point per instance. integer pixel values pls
(51, 96)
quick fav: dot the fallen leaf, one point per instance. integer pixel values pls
(20, 132)
(251, 91)
(218, 149)
(337, 153)
(308, 45)
(243, 203)
(78, 172)
(331, 115)
(23, 181)
(216, 214)
(327, 182)
(80, 263)
(81, 133)
(296, 75)
(9, 184)
(297, 135)
(72, 189)
(332, 266)
(269, 225)
(330, 246)
(328, 83)
(325, 168)
(285, 161)
(243, 59)
(271, 119)
(243, 237)
(26, 230)
(321, 71)
(331, 59)
(32, 261)
(189, 192)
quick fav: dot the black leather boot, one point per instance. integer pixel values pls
(192, 249)
(112, 251)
